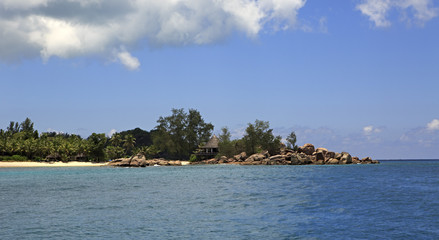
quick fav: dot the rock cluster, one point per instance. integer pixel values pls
(140, 161)
(306, 154)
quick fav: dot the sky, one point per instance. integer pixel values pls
(357, 75)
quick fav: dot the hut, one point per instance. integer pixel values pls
(211, 148)
(81, 157)
(53, 157)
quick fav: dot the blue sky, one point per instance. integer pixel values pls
(358, 76)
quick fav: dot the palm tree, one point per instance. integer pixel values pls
(116, 139)
(129, 142)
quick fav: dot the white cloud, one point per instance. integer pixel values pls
(72, 28)
(128, 61)
(368, 130)
(112, 131)
(433, 125)
(378, 10)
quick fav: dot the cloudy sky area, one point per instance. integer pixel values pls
(358, 75)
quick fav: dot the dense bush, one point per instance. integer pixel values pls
(13, 158)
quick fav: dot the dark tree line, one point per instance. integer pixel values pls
(258, 137)
(176, 136)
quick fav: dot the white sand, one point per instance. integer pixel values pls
(55, 164)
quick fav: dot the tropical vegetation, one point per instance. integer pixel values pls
(177, 136)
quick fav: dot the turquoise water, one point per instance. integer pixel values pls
(392, 200)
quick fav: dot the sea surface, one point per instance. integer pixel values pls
(392, 200)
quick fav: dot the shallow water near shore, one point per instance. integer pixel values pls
(392, 200)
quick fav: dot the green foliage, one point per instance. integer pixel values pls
(116, 140)
(291, 141)
(13, 128)
(128, 143)
(179, 135)
(193, 158)
(96, 146)
(259, 136)
(149, 151)
(13, 158)
(112, 152)
(143, 138)
(239, 146)
(226, 146)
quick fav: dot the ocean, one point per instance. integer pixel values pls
(391, 200)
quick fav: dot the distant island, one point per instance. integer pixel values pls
(179, 139)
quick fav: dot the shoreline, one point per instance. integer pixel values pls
(46, 164)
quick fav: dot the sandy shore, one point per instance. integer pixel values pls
(55, 164)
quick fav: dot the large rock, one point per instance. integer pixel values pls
(120, 162)
(212, 161)
(338, 156)
(330, 154)
(308, 149)
(138, 161)
(304, 159)
(279, 160)
(355, 160)
(346, 158)
(174, 163)
(294, 159)
(320, 156)
(285, 151)
(368, 160)
(255, 157)
(319, 162)
(322, 150)
(223, 159)
(240, 157)
(332, 161)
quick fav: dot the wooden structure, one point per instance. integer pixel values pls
(53, 157)
(80, 158)
(211, 148)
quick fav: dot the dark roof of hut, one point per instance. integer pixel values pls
(212, 143)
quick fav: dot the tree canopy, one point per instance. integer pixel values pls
(176, 136)
(179, 135)
(259, 136)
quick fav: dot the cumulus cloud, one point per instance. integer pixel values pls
(368, 130)
(418, 10)
(72, 28)
(128, 61)
(433, 125)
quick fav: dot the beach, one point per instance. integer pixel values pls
(51, 164)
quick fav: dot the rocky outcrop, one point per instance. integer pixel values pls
(308, 149)
(240, 157)
(306, 155)
(139, 160)
(346, 158)
(332, 161)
